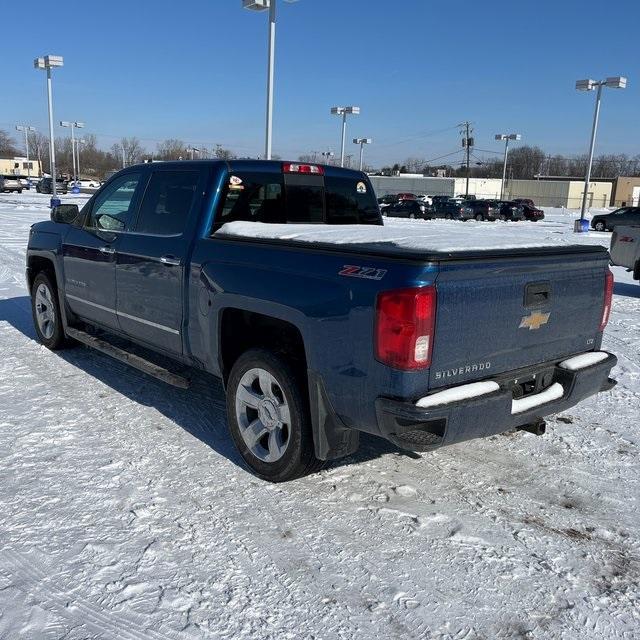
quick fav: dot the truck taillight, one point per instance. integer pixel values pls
(608, 296)
(312, 169)
(405, 322)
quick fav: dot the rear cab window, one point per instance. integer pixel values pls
(277, 197)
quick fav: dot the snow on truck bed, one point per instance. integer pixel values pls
(439, 236)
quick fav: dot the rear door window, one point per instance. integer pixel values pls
(350, 201)
(167, 202)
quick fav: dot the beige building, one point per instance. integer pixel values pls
(560, 193)
(626, 191)
(19, 167)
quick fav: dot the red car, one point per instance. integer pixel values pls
(531, 212)
(406, 196)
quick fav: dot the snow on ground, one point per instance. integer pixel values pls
(125, 512)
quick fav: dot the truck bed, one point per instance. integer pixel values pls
(432, 241)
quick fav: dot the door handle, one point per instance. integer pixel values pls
(170, 260)
(108, 250)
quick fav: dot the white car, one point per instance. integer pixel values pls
(86, 184)
(625, 249)
(425, 198)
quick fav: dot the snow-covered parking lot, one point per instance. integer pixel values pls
(125, 512)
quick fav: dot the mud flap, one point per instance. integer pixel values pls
(331, 438)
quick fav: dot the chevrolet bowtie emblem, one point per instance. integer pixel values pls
(534, 321)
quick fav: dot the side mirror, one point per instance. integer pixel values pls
(65, 213)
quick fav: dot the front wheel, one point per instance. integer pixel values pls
(46, 312)
(600, 226)
(268, 416)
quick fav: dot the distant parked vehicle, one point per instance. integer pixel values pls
(450, 209)
(508, 211)
(528, 201)
(479, 210)
(387, 200)
(423, 197)
(86, 183)
(609, 221)
(625, 249)
(10, 183)
(408, 209)
(406, 196)
(531, 213)
(45, 186)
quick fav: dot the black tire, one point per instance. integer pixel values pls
(448, 216)
(19, 190)
(56, 339)
(479, 217)
(298, 458)
(600, 226)
(412, 216)
(636, 271)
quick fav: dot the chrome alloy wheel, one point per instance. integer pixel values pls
(45, 312)
(263, 415)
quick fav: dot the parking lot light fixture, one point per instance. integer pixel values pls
(72, 126)
(50, 62)
(193, 150)
(614, 82)
(362, 142)
(79, 142)
(26, 128)
(344, 111)
(506, 137)
(270, 5)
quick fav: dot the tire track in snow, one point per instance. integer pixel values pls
(35, 580)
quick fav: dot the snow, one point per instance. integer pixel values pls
(584, 360)
(431, 235)
(125, 511)
(462, 392)
(554, 392)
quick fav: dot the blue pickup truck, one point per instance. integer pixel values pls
(318, 341)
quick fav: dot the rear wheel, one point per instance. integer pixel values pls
(503, 217)
(448, 217)
(600, 226)
(412, 216)
(46, 312)
(479, 217)
(268, 415)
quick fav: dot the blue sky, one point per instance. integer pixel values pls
(196, 69)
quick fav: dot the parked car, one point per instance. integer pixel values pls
(526, 201)
(85, 183)
(625, 249)
(387, 200)
(609, 221)
(425, 198)
(317, 340)
(408, 209)
(406, 196)
(479, 210)
(508, 211)
(10, 183)
(448, 208)
(45, 185)
(531, 213)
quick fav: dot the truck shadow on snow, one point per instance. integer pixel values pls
(626, 289)
(199, 410)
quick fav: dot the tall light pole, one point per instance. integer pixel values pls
(344, 111)
(326, 156)
(262, 5)
(362, 142)
(79, 141)
(615, 82)
(48, 63)
(26, 128)
(506, 137)
(72, 126)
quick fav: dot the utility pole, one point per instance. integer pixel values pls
(467, 143)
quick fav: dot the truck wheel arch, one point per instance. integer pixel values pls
(241, 330)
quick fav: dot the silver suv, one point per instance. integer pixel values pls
(10, 183)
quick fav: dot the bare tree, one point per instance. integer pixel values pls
(7, 145)
(171, 149)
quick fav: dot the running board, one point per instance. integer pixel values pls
(133, 360)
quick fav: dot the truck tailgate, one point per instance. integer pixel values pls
(508, 313)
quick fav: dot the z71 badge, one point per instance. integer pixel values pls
(370, 273)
